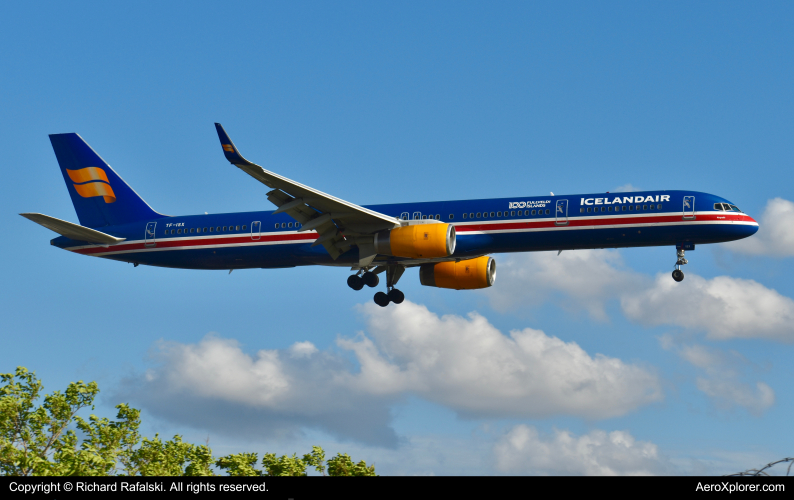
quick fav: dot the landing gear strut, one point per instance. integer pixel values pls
(370, 278)
(678, 274)
(393, 273)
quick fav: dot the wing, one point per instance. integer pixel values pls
(340, 224)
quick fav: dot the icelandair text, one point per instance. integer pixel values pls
(626, 199)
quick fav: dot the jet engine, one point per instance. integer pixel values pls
(420, 241)
(463, 275)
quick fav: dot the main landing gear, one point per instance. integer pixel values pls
(357, 281)
(370, 278)
(678, 274)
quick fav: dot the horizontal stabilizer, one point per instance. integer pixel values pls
(73, 231)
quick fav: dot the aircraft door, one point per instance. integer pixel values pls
(561, 218)
(148, 237)
(417, 215)
(256, 228)
(689, 207)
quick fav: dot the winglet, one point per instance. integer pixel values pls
(229, 150)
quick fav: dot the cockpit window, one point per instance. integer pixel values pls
(718, 206)
(735, 208)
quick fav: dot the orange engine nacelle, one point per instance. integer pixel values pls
(463, 275)
(420, 241)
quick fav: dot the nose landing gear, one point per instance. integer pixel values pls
(678, 274)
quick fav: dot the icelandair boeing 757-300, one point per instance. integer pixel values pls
(449, 241)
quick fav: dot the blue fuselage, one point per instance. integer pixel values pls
(521, 224)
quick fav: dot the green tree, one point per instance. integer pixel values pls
(240, 464)
(34, 440)
(37, 440)
(342, 465)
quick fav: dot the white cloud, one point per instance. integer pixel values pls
(626, 188)
(215, 385)
(471, 367)
(587, 279)
(464, 363)
(598, 453)
(723, 380)
(302, 349)
(775, 236)
(724, 307)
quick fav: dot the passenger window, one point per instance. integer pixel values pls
(276, 225)
(178, 231)
(533, 212)
(645, 207)
(631, 207)
(451, 216)
(205, 229)
(638, 207)
(245, 226)
(289, 224)
(589, 209)
(659, 206)
(191, 229)
(226, 229)
(236, 228)
(512, 213)
(492, 214)
(625, 208)
(218, 229)
(609, 209)
(651, 207)
(479, 215)
(283, 225)
(464, 215)
(498, 214)
(424, 217)
(581, 210)
(438, 216)
(526, 212)
(212, 229)
(547, 211)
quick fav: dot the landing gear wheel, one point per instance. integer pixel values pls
(678, 275)
(355, 282)
(371, 279)
(381, 299)
(396, 296)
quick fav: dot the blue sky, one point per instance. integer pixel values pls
(390, 102)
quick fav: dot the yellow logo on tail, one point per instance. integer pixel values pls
(228, 147)
(92, 181)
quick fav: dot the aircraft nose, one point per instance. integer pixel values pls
(751, 228)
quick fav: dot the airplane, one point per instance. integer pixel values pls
(449, 241)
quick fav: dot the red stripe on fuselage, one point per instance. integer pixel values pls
(502, 225)
(200, 242)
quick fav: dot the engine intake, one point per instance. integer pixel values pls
(420, 241)
(464, 275)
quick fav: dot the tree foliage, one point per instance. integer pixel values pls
(43, 440)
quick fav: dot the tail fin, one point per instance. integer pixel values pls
(100, 196)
